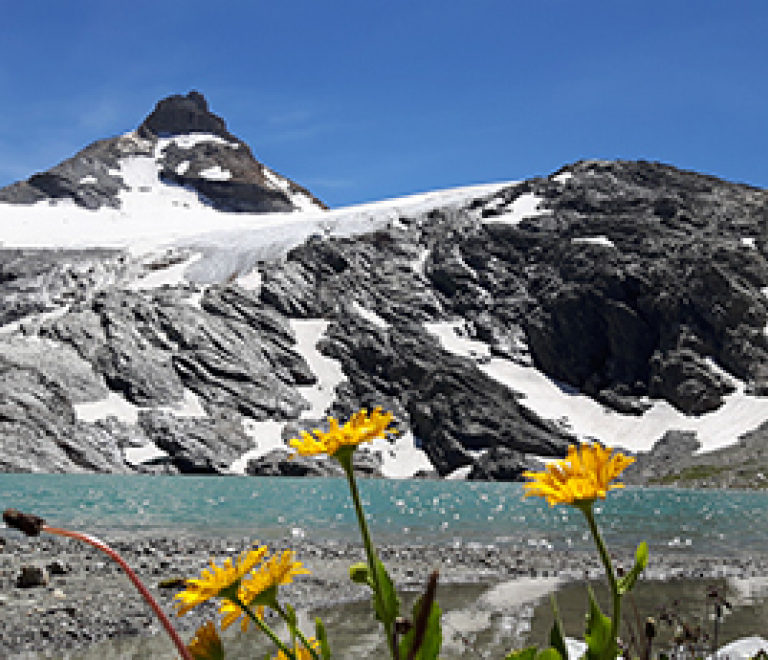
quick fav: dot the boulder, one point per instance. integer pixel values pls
(206, 445)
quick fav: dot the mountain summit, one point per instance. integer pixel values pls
(182, 115)
(182, 145)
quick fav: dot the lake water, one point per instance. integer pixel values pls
(725, 523)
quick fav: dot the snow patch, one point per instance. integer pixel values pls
(749, 242)
(562, 178)
(114, 405)
(277, 182)
(420, 262)
(453, 338)
(143, 454)
(266, 436)
(303, 202)
(525, 206)
(595, 240)
(328, 371)
(251, 281)
(369, 315)
(401, 459)
(182, 168)
(459, 474)
(88, 180)
(216, 173)
(189, 140)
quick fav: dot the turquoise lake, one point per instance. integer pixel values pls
(717, 522)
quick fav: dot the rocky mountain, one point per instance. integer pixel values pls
(188, 146)
(622, 301)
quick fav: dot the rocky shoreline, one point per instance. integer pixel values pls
(86, 600)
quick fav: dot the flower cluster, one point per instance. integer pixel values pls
(251, 581)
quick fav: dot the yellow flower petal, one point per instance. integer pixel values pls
(360, 428)
(583, 476)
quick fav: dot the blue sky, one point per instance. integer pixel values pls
(362, 100)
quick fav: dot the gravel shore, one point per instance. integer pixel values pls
(88, 599)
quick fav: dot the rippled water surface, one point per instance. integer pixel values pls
(718, 522)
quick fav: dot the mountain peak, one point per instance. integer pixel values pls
(178, 115)
(180, 149)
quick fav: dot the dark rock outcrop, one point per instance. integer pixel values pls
(281, 463)
(635, 279)
(503, 464)
(178, 115)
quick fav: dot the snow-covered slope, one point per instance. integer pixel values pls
(155, 218)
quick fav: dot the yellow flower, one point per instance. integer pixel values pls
(259, 588)
(212, 583)
(582, 477)
(360, 428)
(206, 645)
(300, 651)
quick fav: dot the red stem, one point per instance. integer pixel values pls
(96, 543)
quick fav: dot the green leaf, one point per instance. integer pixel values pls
(386, 603)
(556, 637)
(360, 574)
(549, 654)
(322, 637)
(641, 561)
(432, 638)
(523, 654)
(290, 617)
(598, 634)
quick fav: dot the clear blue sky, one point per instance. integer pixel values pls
(361, 100)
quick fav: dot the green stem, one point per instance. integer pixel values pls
(586, 509)
(346, 463)
(296, 631)
(265, 629)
